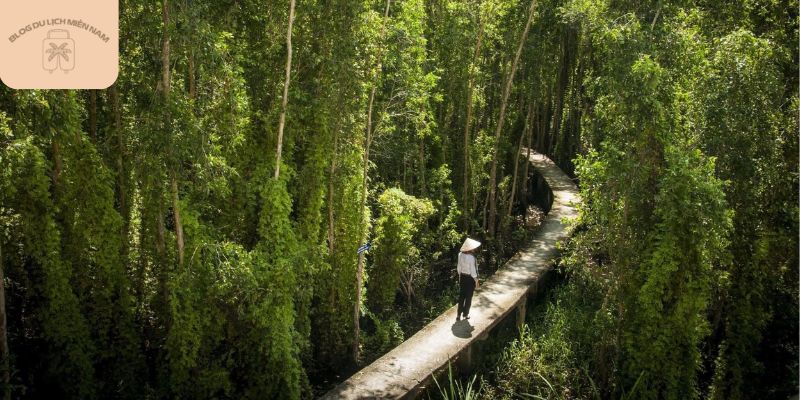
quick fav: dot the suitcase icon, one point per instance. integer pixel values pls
(58, 51)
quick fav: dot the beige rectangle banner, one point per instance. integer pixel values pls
(59, 44)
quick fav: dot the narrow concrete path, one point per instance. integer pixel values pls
(404, 371)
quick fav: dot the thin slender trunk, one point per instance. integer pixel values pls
(141, 273)
(367, 144)
(191, 73)
(284, 103)
(658, 12)
(57, 164)
(165, 49)
(331, 176)
(542, 129)
(161, 241)
(177, 214)
(525, 132)
(561, 88)
(485, 213)
(525, 177)
(501, 120)
(165, 81)
(548, 125)
(163, 265)
(405, 172)
(93, 114)
(576, 110)
(4, 352)
(122, 175)
(468, 123)
(422, 185)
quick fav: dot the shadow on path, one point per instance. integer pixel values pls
(462, 329)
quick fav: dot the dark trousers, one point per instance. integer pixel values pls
(466, 285)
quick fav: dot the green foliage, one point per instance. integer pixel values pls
(681, 190)
(275, 315)
(335, 287)
(742, 104)
(666, 321)
(67, 349)
(387, 335)
(680, 118)
(562, 352)
(396, 259)
(455, 390)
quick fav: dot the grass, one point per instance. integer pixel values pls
(455, 389)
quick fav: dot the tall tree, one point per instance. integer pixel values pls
(501, 120)
(285, 99)
(364, 188)
(166, 90)
(526, 132)
(467, 212)
(4, 352)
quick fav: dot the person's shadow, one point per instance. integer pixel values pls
(462, 329)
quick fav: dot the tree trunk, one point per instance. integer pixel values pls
(501, 120)
(561, 88)
(165, 49)
(4, 352)
(547, 125)
(161, 241)
(367, 144)
(284, 103)
(542, 128)
(165, 82)
(422, 185)
(468, 123)
(191, 73)
(93, 114)
(332, 174)
(122, 175)
(57, 164)
(525, 132)
(572, 142)
(177, 216)
(525, 185)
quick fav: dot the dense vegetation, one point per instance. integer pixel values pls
(683, 269)
(191, 231)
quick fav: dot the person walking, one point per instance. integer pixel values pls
(467, 277)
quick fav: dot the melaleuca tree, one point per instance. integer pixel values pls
(404, 121)
(458, 34)
(345, 37)
(47, 303)
(664, 226)
(5, 354)
(91, 241)
(328, 94)
(742, 108)
(501, 118)
(335, 288)
(441, 235)
(396, 257)
(276, 259)
(451, 38)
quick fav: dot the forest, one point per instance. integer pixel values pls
(193, 230)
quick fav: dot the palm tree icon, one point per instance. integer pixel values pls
(58, 52)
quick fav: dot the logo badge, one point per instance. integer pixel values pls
(51, 44)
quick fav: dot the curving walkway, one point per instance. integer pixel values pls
(404, 371)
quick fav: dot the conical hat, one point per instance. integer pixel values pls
(470, 244)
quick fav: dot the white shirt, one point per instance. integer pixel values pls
(467, 264)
